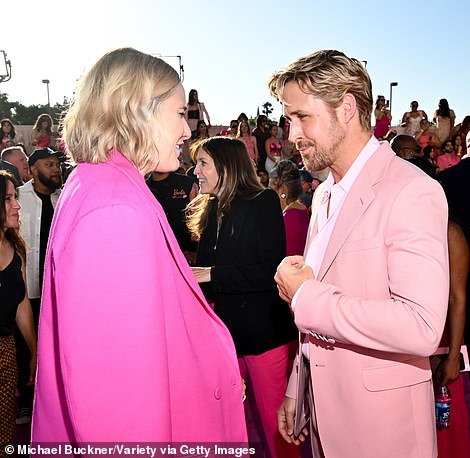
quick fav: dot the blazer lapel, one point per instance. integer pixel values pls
(119, 161)
(357, 201)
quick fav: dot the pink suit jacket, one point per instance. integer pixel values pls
(129, 350)
(376, 312)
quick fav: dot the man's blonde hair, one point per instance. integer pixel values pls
(114, 107)
(328, 75)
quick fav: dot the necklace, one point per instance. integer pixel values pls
(291, 204)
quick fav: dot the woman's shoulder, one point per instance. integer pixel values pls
(267, 196)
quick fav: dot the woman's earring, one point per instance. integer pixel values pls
(283, 196)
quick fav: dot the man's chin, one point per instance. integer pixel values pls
(310, 166)
(54, 184)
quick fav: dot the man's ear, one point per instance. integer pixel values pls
(349, 107)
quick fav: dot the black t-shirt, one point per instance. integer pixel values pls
(173, 194)
(46, 220)
(261, 138)
(12, 292)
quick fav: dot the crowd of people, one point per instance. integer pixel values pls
(172, 267)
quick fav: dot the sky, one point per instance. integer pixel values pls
(229, 49)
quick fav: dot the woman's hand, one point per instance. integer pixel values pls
(202, 274)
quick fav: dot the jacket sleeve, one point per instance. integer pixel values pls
(112, 331)
(412, 318)
(269, 241)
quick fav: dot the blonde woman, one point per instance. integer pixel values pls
(124, 326)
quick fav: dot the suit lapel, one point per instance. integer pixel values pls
(357, 201)
(124, 165)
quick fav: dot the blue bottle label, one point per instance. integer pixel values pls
(442, 413)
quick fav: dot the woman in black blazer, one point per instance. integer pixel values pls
(241, 235)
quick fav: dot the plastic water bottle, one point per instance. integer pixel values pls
(443, 400)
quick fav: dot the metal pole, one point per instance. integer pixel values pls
(391, 86)
(46, 82)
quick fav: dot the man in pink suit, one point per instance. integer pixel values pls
(371, 292)
(129, 350)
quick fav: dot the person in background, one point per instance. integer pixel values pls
(202, 131)
(456, 183)
(38, 198)
(383, 118)
(425, 137)
(42, 132)
(261, 133)
(453, 442)
(4, 165)
(284, 126)
(244, 134)
(405, 146)
(458, 145)
(429, 155)
(285, 180)
(7, 133)
(444, 118)
(15, 306)
(461, 130)
(15, 155)
(196, 112)
(273, 148)
(263, 177)
(124, 326)
(241, 236)
(408, 148)
(308, 182)
(411, 119)
(174, 191)
(448, 158)
(378, 235)
(242, 117)
(231, 131)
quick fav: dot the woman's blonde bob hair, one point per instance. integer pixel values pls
(115, 107)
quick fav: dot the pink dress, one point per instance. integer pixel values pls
(43, 141)
(275, 148)
(454, 442)
(250, 146)
(296, 222)
(382, 126)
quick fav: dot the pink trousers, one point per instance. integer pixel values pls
(268, 375)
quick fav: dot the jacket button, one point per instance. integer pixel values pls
(217, 393)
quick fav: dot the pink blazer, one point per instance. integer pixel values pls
(381, 299)
(129, 350)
